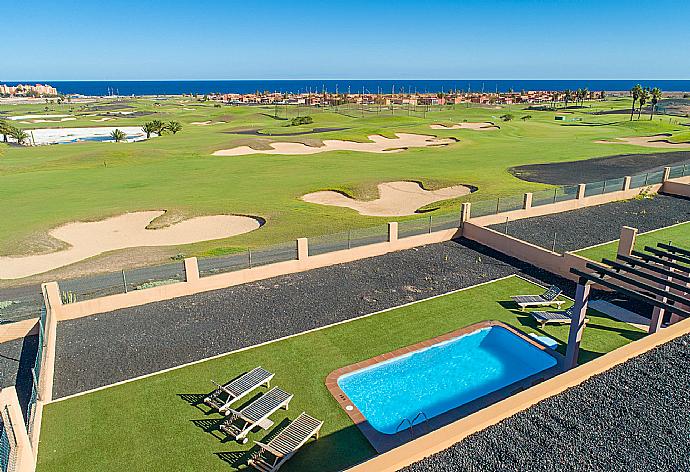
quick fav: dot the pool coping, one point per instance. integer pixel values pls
(385, 442)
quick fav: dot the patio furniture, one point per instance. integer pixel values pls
(225, 395)
(240, 423)
(548, 298)
(283, 446)
(553, 317)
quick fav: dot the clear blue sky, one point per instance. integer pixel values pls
(269, 39)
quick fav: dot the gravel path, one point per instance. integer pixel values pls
(599, 168)
(635, 417)
(103, 349)
(586, 227)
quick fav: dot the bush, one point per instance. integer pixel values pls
(301, 120)
(507, 117)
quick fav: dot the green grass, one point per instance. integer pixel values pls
(148, 425)
(678, 235)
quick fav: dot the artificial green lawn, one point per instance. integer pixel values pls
(150, 425)
(678, 235)
(53, 185)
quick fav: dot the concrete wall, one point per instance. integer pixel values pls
(447, 436)
(17, 435)
(677, 187)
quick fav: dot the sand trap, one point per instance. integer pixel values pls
(40, 136)
(378, 144)
(483, 126)
(189, 109)
(120, 232)
(105, 118)
(51, 121)
(28, 117)
(656, 141)
(395, 198)
(206, 123)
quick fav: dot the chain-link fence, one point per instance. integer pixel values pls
(8, 442)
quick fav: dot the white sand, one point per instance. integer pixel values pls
(120, 232)
(483, 126)
(68, 135)
(51, 121)
(378, 144)
(28, 117)
(105, 118)
(206, 123)
(189, 109)
(656, 141)
(395, 198)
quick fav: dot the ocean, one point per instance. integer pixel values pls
(176, 87)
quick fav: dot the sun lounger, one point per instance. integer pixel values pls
(553, 317)
(225, 395)
(547, 298)
(282, 447)
(240, 423)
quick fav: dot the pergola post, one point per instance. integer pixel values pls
(577, 325)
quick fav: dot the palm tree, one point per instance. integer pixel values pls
(148, 128)
(158, 127)
(174, 127)
(19, 134)
(4, 129)
(568, 96)
(644, 97)
(118, 135)
(578, 95)
(656, 96)
(635, 93)
(585, 95)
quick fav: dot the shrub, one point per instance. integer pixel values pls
(301, 120)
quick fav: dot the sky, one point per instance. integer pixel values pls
(269, 39)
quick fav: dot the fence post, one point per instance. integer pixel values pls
(527, 201)
(13, 417)
(465, 212)
(581, 191)
(302, 249)
(626, 182)
(626, 243)
(191, 269)
(392, 231)
(667, 174)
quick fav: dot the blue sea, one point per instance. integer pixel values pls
(176, 87)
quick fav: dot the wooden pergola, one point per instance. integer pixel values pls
(658, 276)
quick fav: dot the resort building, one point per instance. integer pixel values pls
(37, 90)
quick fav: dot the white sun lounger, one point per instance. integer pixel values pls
(240, 423)
(547, 298)
(225, 395)
(282, 447)
(553, 317)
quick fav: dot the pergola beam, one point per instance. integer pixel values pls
(658, 260)
(672, 248)
(634, 261)
(670, 255)
(636, 283)
(647, 276)
(630, 293)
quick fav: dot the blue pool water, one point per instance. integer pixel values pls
(442, 377)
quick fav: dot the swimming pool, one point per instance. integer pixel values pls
(428, 380)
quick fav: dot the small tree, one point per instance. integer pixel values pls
(635, 94)
(656, 96)
(507, 117)
(644, 97)
(19, 134)
(158, 127)
(148, 128)
(118, 135)
(526, 117)
(5, 129)
(174, 127)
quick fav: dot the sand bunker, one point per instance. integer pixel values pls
(120, 232)
(105, 118)
(28, 117)
(483, 126)
(48, 121)
(395, 198)
(206, 123)
(40, 136)
(378, 144)
(656, 141)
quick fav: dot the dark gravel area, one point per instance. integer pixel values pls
(599, 168)
(17, 358)
(635, 417)
(586, 227)
(103, 349)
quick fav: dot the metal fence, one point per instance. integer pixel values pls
(8, 443)
(22, 302)
(36, 374)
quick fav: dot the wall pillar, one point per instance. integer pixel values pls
(626, 182)
(465, 212)
(191, 269)
(302, 249)
(527, 201)
(626, 244)
(667, 174)
(392, 231)
(581, 191)
(13, 416)
(577, 325)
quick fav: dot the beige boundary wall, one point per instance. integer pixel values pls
(447, 436)
(21, 457)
